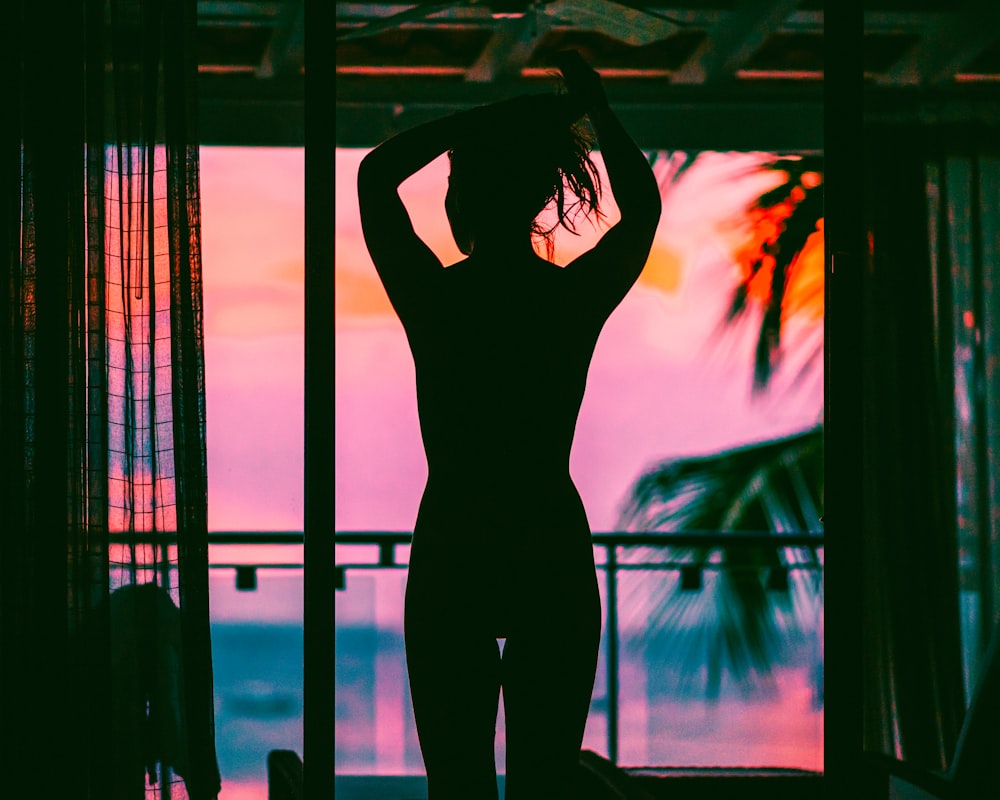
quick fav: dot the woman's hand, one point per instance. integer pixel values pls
(586, 91)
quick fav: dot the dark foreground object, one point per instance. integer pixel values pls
(599, 779)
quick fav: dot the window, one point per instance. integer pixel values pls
(669, 381)
(252, 232)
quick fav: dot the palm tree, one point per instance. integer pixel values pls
(754, 603)
(786, 217)
(749, 610)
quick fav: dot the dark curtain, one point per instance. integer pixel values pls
(106, 686)
(912, 649)
(964, 181)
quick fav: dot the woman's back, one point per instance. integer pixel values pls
(501, 356)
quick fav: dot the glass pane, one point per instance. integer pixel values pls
(671, 387)
(252, 236)
(253, 210)
(376, 733)
(257, 662)
(684, 699)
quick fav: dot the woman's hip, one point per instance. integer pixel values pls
(503, 598)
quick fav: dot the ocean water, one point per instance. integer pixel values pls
(257, 641)
(772, 719)
(258, 700)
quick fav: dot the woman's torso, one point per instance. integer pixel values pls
(501, 366)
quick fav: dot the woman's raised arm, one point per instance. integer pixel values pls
(610, 268)
(403, 261)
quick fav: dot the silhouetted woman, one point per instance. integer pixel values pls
(502, 342)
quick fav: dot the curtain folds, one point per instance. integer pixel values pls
(103, 549)
(912, 649)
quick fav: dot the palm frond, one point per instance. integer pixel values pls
(734, 627)
(795, 209)
(669, 166)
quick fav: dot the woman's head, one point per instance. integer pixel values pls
(502, 179)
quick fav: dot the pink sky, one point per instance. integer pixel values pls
(253, 244)
(660, 384)
(657, 386)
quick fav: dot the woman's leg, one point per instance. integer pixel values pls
(548, 668)
(453, 662)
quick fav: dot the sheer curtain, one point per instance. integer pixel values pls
(104, 628)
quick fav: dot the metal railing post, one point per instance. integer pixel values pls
(612, 660)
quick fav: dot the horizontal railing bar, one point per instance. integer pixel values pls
(655, 567)
(709, 539)
(605, 539)
(631, 539)
(220, 537)
(642, 567)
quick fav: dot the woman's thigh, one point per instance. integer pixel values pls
(548, 669)
(453, 663)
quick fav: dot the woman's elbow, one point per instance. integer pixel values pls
(652, 197)
(654, 207)
(647, 209)
(374, 185)
(643, 204)
(374, 170)
(368, 170)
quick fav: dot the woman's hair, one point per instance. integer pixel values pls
(532, 163)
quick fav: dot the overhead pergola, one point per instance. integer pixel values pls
(251, 58)
(691, 74)
(695, 74)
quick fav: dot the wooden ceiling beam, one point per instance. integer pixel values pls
(509, 49)
(784, 118)
(946, 48)
(238, 11)
(356, 15)
(733, 40)
(251, 112)
(285, 54)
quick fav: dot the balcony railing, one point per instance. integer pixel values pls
(616, 554)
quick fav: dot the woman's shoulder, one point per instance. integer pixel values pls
(504, 268)
(458, 266)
